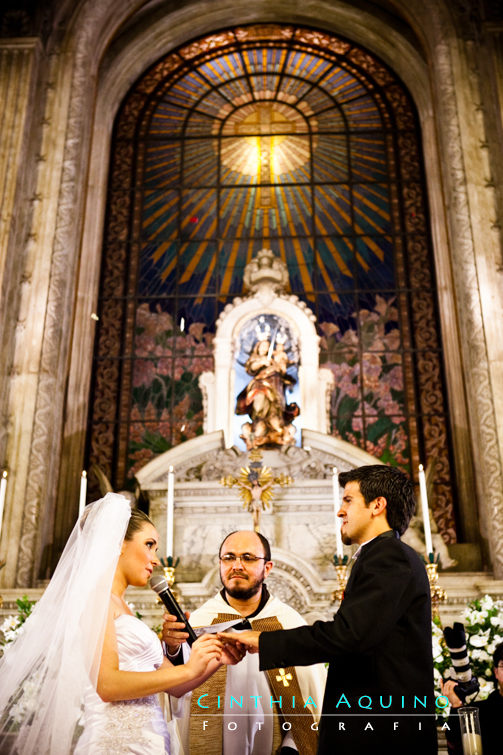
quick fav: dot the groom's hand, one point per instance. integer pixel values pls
(248, 639)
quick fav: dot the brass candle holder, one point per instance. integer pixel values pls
(169, 565)
(438, 594)
(341, 569)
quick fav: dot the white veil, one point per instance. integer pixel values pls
(46, 671)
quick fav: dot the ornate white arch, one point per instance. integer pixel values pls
(314, 383)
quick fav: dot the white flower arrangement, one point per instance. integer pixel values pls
(483, 622)
(12, 626)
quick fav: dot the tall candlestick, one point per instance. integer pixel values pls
(3, 488)
(83, 492)
(338, 537)
(170, 512)
(425, 511)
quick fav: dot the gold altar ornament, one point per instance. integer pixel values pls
(256, 485)
(169, 565)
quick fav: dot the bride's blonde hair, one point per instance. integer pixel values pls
(136, 522)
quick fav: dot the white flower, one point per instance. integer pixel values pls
(479, 640)
(485, 688)
(487, 603)
(497, 621)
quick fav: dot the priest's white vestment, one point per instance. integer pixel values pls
(244, 703)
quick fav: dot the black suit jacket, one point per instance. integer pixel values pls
(379, 646)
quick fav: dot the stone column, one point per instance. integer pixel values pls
(20, 125)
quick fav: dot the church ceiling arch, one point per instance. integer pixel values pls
(292, 139)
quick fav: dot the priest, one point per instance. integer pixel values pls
(243, 710)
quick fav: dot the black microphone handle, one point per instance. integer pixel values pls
(173, 607)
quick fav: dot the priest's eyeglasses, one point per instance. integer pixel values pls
(245, 558)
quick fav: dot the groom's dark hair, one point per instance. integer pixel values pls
(380, 480)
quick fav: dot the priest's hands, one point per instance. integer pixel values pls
(247, 639)
(172, 632)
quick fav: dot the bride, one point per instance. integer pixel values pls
(83, 676)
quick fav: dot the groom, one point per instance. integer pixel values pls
(379, 692)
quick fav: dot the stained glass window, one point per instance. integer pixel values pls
(295, 140)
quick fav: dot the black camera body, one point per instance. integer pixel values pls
(467, 689)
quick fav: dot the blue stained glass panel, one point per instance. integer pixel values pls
(330, 158)
(168, 119)
(376, 268)
(332, 120)
(368, 157)
(158, 273)
(292, 213)
(333, 210)
(336, 263)
(199, 124)
(371, 208)
(160, 214)
(241, 214)
(293, 89)
(362, 113)
(342, 85)
(223, 68)
(236, 90)
(198, 214)
(162, 164)
(318, 99)
(197, 270)
(190, 87)
(307, 66)
(200, 164)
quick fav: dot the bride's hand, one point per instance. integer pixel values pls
(205, 649)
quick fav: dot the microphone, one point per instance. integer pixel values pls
(161, 587)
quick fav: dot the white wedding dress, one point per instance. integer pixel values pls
(135, 727)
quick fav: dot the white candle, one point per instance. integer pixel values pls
(83, 492)
(472, 743)
(3, 488)
(338, 538)
(170, 512)
(426, 512)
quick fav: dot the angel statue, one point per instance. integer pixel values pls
(264, 400)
